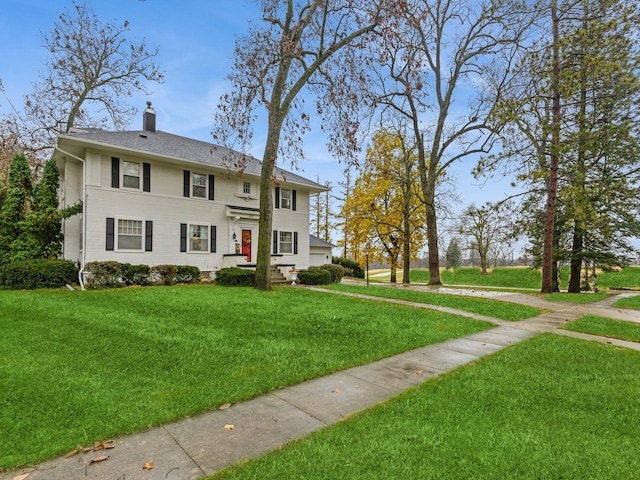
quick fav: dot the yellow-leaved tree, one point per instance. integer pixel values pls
(384, 211)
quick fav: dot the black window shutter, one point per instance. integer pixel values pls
(111, 225)
(186, 189)
(275, 241)
(214, 239)
(115, 172)
(146, 177)
(277, 197)
(148, 236)
(293, 200)
(183, 237)
(212, 187)
(295, 243)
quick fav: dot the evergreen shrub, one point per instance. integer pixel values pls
(135, 274)
(336, 271)
(235, 277)
(314, 276)
(164, 274)
(38, 273)
(352, 268)
(106, 274)
(187, 274)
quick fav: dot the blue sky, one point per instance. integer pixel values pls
(195, 39)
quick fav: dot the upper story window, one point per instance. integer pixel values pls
(198, 185)
(246, 188)
(285, 198)
(130, 174)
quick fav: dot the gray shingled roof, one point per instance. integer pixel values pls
(182, 149)
(318, 242)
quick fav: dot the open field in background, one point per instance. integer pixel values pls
(551, 407)
(517, 277)
(79, 367)
(481, 306)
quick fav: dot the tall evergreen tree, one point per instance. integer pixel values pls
(16, 205)
(597, 149)
(602, 122)
(44, 222)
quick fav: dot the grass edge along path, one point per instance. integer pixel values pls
(80, 367)
(606, 327)
(502, 310)
(631, 302)
(549, 407)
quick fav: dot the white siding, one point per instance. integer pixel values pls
(167, 208)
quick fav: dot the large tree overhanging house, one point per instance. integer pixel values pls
(155, 198)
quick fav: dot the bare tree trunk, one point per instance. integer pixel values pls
(406, 254)
(483, 261)
(576, 260)
(432, 232)
(394, 271)
(548, 259)
(406, 229)
(263, 260)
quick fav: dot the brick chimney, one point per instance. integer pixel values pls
(149, 119)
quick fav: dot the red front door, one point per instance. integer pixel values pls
(246, 244)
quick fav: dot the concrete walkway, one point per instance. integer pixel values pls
(196, 447)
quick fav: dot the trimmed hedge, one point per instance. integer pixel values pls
(103, 275)
(165, 274)
(352, 268)
(314, 276)
(336, 271)
(235, 277)
(187, 274)
(135, 274)
(38, 273)
(111, 274)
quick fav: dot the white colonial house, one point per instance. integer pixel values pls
(154, 198)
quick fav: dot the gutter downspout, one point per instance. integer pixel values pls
(83, 198)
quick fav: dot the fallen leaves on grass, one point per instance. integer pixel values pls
(225, 406)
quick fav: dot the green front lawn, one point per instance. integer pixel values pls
(78, 367)
(606, 327)
(481, 306)
(548, 408)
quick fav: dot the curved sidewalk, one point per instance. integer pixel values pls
(199, 446)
